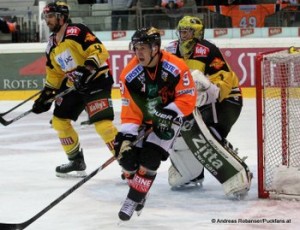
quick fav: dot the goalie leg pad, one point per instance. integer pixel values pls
(221, 161)
(239, 184)
(185, 167)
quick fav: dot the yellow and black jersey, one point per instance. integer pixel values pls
(78, 47)
(207, 58)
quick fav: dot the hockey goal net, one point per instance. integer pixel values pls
(278, 124)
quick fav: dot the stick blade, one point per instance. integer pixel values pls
(4, 226)
(5, 123)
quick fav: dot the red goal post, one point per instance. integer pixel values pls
(278, 124)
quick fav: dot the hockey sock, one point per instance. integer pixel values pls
(67, 135)
(107, 131)
(140, 185)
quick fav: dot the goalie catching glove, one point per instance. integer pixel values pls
(162, 122)
(81, 78)
(208, 92)
(42, 104)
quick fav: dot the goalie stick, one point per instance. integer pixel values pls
(23, 225)
(8, 122)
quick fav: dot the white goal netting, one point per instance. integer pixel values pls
(279, 124)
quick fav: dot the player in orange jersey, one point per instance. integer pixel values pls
(156, 88)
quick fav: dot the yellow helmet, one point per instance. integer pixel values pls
(293, 50)
(192, 23)
(192, 26)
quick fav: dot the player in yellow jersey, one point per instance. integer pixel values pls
(219, 96)
(76, 57)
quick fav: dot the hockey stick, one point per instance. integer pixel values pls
(8, 122)
(18, 105)
(20, 226)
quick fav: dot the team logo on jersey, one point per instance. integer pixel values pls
(201, 51)
(66, 61)
(134, 73)
(72, 30)
(164, 76)
(97, 106)
(217, 63)
(170, 68)
(125, 102)
(89, 37)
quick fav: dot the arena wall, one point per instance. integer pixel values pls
(23, 64)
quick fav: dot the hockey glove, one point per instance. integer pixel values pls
(209, 96)
(122, 144)
(81, 77)
(41, 105)
(208, 93)
(201, 81)
(162, 122)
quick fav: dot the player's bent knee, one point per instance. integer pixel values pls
(185, 167)
(151, 157)
(106, 130)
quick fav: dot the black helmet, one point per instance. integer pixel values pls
(58, 7)
(149, 35)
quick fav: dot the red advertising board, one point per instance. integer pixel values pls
(241, 60)
(29, 73)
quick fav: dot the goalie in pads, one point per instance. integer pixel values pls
(203, 137)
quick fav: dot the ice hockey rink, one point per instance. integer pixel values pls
(30, 151)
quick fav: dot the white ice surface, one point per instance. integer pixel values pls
(30, 151)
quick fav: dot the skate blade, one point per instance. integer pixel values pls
(241, 195)
(138, 213)
(189, 186)
(74, 174)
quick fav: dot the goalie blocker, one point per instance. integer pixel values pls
(220, 160)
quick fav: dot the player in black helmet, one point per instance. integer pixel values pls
(156, 88)
(75, 57)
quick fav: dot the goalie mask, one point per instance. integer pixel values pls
(190, 29)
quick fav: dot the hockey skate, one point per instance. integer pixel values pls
(127, 209)
(194, 183)
(198, 180)
(75, 168)
(141, 205)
